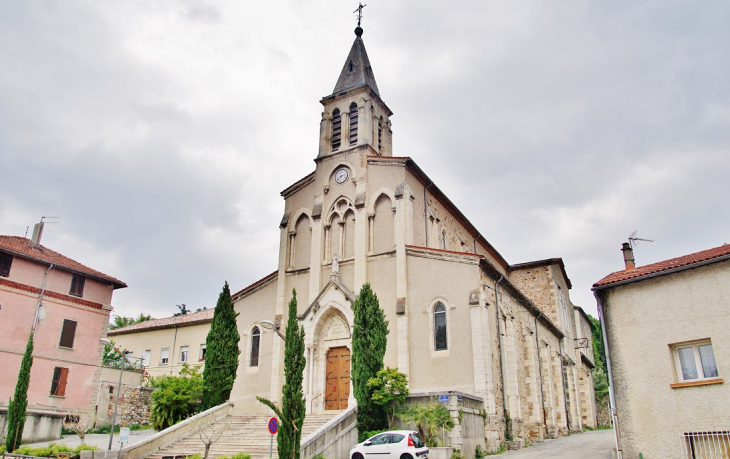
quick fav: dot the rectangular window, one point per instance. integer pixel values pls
(695, 361)
(164, 356)
(77, 285)
(202, 353)
(58, 385)
(68, 333)
(6, 260)
(146, 357)
(184, 350)
(708, 444)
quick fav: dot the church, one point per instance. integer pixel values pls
(462, 319)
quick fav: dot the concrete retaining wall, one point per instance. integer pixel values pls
(39, 425)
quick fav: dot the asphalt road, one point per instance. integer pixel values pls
(595, 444)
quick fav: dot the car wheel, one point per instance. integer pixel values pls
(406, 456)
(357, 456)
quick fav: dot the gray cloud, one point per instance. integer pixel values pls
(162, 132)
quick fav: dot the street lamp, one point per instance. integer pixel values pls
(106, 342)
(270, 325)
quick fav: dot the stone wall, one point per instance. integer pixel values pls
(603, 412)
(134, 405)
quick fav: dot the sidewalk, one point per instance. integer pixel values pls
(597, 444)
(101, 441)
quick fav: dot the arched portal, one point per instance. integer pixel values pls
(329, 386)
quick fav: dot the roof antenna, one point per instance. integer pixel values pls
(38, 231)
(634, 241)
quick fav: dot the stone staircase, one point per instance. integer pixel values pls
(241, 434)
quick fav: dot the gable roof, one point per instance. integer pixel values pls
(672, 265)
(546, 262)
(185, 320)
(357, 70)
(23, 248)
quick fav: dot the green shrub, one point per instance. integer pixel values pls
(53, 449)
(235, 456)
(177, 397)
(319, 456)
(457, 454)
(479, 453)
(2, 449)
(248, 456)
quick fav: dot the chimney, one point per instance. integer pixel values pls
(37, 233)
(628, 255)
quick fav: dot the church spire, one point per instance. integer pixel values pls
(357, 70)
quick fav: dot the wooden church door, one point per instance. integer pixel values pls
(338, 378)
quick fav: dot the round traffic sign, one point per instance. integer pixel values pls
(273, 425)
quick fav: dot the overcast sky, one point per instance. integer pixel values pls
(161, 132)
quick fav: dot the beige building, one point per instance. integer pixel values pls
(462, 320)
(584, 368)
(164, 345)
(667, 341)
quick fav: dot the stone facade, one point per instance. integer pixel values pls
(462, 319)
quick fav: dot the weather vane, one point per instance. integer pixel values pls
(359, 13)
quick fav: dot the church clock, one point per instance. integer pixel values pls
(341, 176)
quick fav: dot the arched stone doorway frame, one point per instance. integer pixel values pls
(317, 347)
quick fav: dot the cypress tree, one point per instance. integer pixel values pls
(221, 352)
(369, 341)
(17, 406)
(289, 437)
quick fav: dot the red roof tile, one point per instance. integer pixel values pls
(22, 247)
(684, 261)
(167, 322)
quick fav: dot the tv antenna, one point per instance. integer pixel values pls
(634, 241)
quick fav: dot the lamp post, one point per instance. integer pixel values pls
(106, 342)
(270, 326)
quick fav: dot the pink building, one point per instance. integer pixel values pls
(72, 303)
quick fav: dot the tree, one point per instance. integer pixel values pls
(182, 309)
(599, 354)
(429, 419)
(177, 397)
(293, 409)
(221, 355)
(80, 425)
(369, 341)
(19, 402)
(211, 434)
(122, 321)
(390, 387)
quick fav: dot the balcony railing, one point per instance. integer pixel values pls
(705, 445)
(134, 363)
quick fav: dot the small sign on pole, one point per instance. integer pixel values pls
(124, 435)
(273, 428)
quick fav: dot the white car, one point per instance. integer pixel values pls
(394, 444)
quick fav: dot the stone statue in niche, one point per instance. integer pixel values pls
(335, 266)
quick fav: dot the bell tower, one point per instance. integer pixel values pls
(354, 115)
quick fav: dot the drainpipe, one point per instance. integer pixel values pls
(40, 299)
(172, 357)
(539, 366)
(565, 392)
(611, 395)
(425, 211)
(499, 335)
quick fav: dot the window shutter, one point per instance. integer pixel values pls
(5, 262)
(56, 379)
(336, 129)
(353, 124)
(62, 382)
(68, 333)
(77, 285)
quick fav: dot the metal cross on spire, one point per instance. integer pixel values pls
(359, 13)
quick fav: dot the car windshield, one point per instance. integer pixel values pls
(417, 442)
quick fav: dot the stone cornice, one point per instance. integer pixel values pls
(443, 255)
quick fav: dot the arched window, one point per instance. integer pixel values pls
(380, 133)
(439, 327)
(443, 240)
(255, 343)
(353, 123)
(336, 129)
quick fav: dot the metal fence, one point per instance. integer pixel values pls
(134, 363)
(706, 445)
